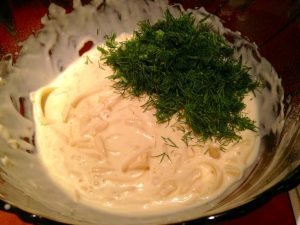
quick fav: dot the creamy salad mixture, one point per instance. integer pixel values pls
(106, 150)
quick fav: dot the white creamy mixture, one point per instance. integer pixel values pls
(106, 151)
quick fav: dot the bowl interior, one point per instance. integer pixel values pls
(32, 191)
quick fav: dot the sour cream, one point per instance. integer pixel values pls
(105, 150)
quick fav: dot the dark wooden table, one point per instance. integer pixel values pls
(274, 25)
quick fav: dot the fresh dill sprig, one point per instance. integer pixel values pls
(169, 142)
(88, 60)
(162, 155)
(188, 71)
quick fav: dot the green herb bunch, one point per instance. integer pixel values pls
(186, 70)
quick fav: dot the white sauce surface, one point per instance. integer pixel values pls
(106, 151)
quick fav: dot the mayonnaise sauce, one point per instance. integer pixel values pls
(105, 150)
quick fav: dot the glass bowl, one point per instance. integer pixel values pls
(276, 170)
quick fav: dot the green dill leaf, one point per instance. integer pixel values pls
(111, 41)
(187, 71)
(169, 142)
(162, 156)
(102, 50)
(88, 60)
